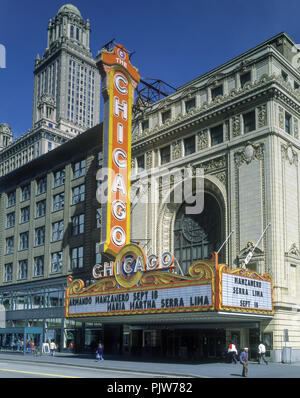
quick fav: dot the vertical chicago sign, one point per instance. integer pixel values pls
(119, 79)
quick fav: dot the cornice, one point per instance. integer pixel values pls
(270, 86)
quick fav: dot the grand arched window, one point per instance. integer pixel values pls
(196, 236)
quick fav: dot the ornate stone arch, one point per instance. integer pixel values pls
(168, 210)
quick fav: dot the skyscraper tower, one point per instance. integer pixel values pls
(66, 81)
(66, 99)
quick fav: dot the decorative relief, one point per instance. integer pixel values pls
(262, 116)
(226, 131)
(214, 164)
(149, 160)
(249, 247)
(222, 176)
(281, 117)
(295, 127)
(236, 126)
(293, 251)
(248, 153)
(202, 140)
(176, 150)
(287, 153)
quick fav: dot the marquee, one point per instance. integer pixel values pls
(209, 286)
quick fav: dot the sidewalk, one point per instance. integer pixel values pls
(181, 369)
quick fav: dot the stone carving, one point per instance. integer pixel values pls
(295, 127)
(281, 117)
(287, 153)
(222, 176)
(248, 248)
(293, 251)
(214, 164)
(248, 153)
(176, 150)
(236, 126)
(262, 116)
(149, 160)
(202, 140)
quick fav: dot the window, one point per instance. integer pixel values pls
(9, 247)
(77, 257)
(166, 116)
(8, 271)
(59, 178)
(41, 185)
(25, 195)
(10, 220)
(296, 86)
(41, 208)
(11, 199)
(24, 239)
(284, 76)
(57, 231)
(56, 262)
(245, 78)
(39, 238)
(98, 218)
(78, 194)
(38, 267)
(216, 135)
(145, 124)
(58, 201)
(78, 224)
(216, 91)
(165, 155)
(190, 104)
(141, 162)
(79, 169)
(189, 145)
(25, 213)
(23, 269)
(72, 31)
(288, 123)
(249, 122)
(196, 235)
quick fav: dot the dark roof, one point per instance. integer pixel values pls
(63, 154)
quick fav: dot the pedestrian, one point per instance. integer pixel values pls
(232, 351)
(52, 348)
(244, 361)
(99, 352)
(262, 353)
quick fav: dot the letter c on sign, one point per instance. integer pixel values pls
(118, 79)
(117, 154)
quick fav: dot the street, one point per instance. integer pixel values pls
(17, 369)
(86, 366)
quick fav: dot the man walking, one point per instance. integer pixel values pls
(232, 352)
(244, 362)
(262, 353)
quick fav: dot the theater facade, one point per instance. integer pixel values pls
(230, 136)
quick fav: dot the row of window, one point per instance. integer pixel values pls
(189, 144)
(191, 103)
(40, 298)
(76, 262)
(79, 170)
(77, 228)
(78, 196)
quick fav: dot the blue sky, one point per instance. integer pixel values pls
(173, 40)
